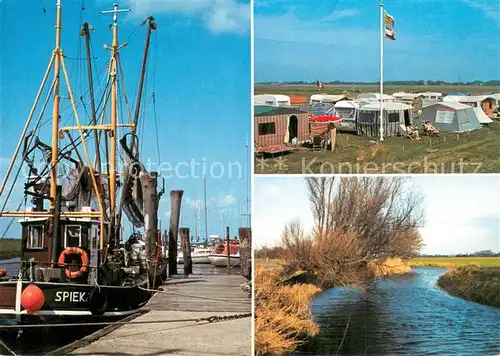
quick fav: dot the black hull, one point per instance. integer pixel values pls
(65, 301)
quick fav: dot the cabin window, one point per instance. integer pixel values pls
(269, 102)
(367, 118)
(72, 236)
(394, 117)
(35, 237)
(267, 128)
(282, 103)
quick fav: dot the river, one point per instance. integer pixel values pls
(402, 315)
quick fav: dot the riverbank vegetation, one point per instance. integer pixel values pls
(282, 320)
(10, 248)
(480, 285)
(359, 225)
(454, 262)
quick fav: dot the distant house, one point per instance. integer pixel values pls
(376, 96)
(451, 116)
(325, 99)
(429, 98)
(272, 100)
(275, 130)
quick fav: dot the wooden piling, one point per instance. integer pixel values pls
(245, 235)
(150, 194)
(228, 250)
(175, 210)
(186, 251)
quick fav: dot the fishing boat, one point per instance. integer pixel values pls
(219, 255)
(76, 260)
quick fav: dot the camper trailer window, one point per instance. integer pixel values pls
(394, 117)
(267, 128)
(345, 113)
(366, 117)
(35, 237)
(72, 236)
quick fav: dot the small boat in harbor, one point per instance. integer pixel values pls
(219, 255)
(199, 255)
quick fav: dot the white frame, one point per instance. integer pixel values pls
(66, 235)
(29, 239)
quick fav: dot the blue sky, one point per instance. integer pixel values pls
(340, 40)
(202, 85)
(462, 212)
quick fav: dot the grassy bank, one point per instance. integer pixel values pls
(282, 315)
(9, 248)
(480, 285)
(454, 262)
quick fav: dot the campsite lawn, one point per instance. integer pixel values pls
(471, 152)
(455, 261)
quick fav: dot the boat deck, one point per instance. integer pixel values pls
(184, 298)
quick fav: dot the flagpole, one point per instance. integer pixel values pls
(381, 118)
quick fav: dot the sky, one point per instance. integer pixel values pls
(199, 69)
(340, 40)
(462, 212)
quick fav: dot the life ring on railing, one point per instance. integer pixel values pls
(74, 251)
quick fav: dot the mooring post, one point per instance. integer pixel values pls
(228, 250)
(245, 234)
(186, 251)
(175, 210)
(149, 185)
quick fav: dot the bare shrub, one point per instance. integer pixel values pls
(297, 246)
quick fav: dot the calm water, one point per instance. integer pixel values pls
(404, 315)
(53, 337)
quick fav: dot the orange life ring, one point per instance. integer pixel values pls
(74, 251)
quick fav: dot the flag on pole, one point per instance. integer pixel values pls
(388, 19)
(390, 34)
(389, 27)
(319, 84)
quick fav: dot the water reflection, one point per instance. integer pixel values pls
(403, 315)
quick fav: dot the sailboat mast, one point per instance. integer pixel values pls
(114, 116)
(55, 110)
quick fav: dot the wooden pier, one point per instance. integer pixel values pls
(159, 331)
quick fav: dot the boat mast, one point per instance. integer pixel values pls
(55, 110)
(114, 108)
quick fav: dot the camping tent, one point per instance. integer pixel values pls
(482, 117)
(394, 115)
(451, 116)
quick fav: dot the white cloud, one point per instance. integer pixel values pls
(224, 200)
(341, 14)
(219, 16)
(490, 9)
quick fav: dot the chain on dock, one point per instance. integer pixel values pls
(214, 319)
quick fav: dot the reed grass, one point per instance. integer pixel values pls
(282, 314)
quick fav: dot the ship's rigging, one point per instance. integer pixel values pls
(86, 176)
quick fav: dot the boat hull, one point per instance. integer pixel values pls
(221, 260)
(75, 300)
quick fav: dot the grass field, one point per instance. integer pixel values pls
(10, 248)
(456, 261)
(306, 90)
(474, 152)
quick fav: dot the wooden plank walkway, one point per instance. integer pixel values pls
(187, 298)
